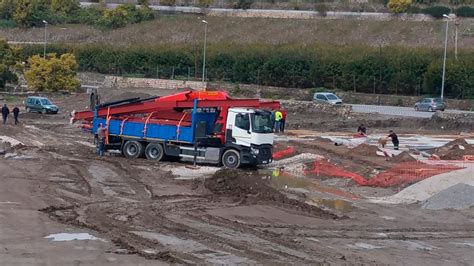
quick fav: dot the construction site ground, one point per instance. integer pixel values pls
(133, 212)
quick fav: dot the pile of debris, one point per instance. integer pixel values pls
(7, 144)
(455, 150)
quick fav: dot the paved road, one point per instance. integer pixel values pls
(396, 111)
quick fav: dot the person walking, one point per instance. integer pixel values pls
(5, 113)
(394, 138)
(16, 112)
(278, 118)
(101, 131)
(283, 121)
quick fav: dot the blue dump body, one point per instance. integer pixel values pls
(158, 131)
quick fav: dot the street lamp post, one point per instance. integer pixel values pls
(45, 37)
(204, 53)
(444, 59)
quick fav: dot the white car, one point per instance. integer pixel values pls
(327, 97)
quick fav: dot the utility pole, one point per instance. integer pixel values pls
(45, 37)
(444, 59)
(456, 24)
(204, 52)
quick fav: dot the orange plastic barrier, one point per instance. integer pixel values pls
(283, 153)
(401, 174)
(468, 157)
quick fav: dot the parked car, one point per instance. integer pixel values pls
(327, 97)
(430, 104)
(41, 105)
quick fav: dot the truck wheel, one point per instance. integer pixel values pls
(154, 151)
(231, 159)
(132, 149)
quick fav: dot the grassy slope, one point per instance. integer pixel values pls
(187, 29)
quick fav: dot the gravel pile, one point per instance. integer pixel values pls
(460, 196)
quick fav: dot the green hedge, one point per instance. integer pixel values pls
(387, 70)
(464, 11)
(436, 11)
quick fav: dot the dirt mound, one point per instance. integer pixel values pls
(252, 189)
(441, 151)
(365, 149)
(454, 150)
(402, 158)
(457, 152)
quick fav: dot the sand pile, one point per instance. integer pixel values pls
(365, 149)
(251, 188)
(402, 158)
(460, 196)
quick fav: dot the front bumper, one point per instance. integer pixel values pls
(261, 154)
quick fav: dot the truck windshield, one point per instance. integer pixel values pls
(262, 122)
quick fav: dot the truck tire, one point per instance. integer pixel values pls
(154, 151)
(231, 159)
(132, 149)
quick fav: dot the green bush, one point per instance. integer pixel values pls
(436, 11)
(402, 71)
(243, 4)
(29, 13)
(464, 11)
(414, 10)
(398, 6)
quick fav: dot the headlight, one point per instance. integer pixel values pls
(254, 151)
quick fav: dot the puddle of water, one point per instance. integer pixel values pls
(335, 204)
(361, 245)
(418, 245)
(199, 250)
(72, 236)
(285, 181)
(468, 244)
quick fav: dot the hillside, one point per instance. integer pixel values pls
(187, 29)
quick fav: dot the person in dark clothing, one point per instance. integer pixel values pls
(16, 112)
(394, 138)
(101, 132)
(362, 130)
(5, 113)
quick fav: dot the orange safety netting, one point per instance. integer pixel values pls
(282, 153)
(401, 174)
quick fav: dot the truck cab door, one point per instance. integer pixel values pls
(241, 130)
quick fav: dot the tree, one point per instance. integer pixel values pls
(7, 8)
(52, 73)
(398, 6)
(7, 61)
(64, 7)
(31, 12)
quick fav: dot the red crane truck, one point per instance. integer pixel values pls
(207, 126)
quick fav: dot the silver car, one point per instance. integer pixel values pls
(327, 97)
(430, 105)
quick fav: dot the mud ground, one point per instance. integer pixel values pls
(151, 214)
